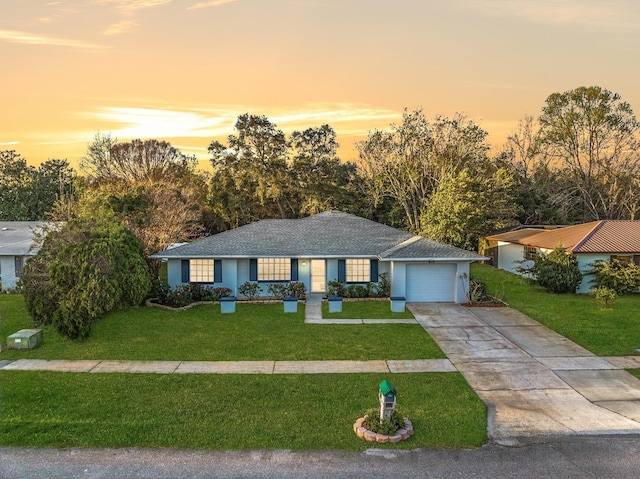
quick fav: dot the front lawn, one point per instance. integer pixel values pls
(255, 332)
(610, 332)
(45, 409)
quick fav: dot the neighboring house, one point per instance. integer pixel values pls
(321, 248)
(16, 241)
(604, 240)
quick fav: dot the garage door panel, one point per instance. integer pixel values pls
(431, 282)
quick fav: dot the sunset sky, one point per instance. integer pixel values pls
(183, 70)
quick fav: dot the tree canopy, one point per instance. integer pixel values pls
(408, 162)
(28, 193)
(260, 173)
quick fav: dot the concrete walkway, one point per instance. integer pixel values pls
(534, 381)
(232, 367)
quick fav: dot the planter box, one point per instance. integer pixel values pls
(228, 305)
(290, 304)
(25, 339)
(398, 303)
(335, 304)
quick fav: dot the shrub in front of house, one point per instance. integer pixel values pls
(296, 289)
(618, 276)
(277, 290)
(186, 294)
(381, 289)
(249, 290)
(558, 271)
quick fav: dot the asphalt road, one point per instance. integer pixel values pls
(576, 457)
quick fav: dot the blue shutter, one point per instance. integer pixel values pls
(342, 270)
(185, 270)
(217, 271)
(253, 269)
(294, 269)
(374, 271)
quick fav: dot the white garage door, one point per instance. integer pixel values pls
(432, 282)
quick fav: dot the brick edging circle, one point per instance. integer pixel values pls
(370, 436)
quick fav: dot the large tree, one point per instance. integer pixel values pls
(408, 162)
(466, 207)
(593, 136)
(148, 185)
(253, 165)
(260, 173)
(137, 161)
(537, 180)
(83, 270)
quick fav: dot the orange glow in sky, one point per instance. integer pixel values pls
(183, 70)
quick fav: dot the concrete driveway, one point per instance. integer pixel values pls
(533, 380)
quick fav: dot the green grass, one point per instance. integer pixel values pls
(365, 310)
(46, 409)
(254, 332)
(611, 332)
(635, 372)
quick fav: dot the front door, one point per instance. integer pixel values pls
(318, 276)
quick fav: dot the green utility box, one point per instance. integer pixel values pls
(25, 339)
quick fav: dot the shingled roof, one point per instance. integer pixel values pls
(604, 236)
(324, 235)
(16, 237)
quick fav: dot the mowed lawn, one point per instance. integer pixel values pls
(207, 411)
(605, 332)
(254, 332)
(235, 411)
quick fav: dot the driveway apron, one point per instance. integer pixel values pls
(532, 380)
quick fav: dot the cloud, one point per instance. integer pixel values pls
(622, 13)
(9, 143)
(14, 36)
(128, 122)
(212, 3)
(127, 11)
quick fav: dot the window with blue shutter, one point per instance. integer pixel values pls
(253, 269)
(217, 271)
(374, 271)
(294, 269)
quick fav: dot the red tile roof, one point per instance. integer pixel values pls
(605, 236)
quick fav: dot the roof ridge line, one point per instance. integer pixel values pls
(588, 236)
(406, 242)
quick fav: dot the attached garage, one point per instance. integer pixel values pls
(431, 282)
